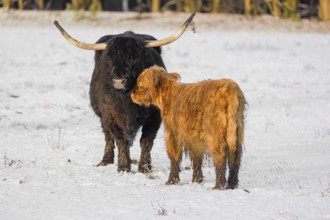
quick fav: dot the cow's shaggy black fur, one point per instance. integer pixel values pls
(124, 58)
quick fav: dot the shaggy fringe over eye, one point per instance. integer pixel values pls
(126, 50)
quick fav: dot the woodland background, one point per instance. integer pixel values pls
(289, 9)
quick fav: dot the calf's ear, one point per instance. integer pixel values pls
(176, 76)
(156, 80)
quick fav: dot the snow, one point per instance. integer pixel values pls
(50, 139)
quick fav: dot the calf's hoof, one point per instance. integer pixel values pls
(232, 186)
(197, 179)
(134, 161)
(232, 183)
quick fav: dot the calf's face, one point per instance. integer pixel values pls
(149, 85)
(145, 89)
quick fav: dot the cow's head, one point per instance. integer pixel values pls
(126, 55)
(124, 58)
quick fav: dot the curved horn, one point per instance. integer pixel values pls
(174, 37)
(79, 44)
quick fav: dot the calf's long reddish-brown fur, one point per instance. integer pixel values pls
(198, 117)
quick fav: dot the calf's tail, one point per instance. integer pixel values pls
(235, 131)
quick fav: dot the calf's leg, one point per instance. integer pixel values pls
(174, 173)
(197, 168)
(218, 154)
(174, 152)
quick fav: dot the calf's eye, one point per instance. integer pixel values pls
(143, 91)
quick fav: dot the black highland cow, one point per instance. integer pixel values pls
(119, 60)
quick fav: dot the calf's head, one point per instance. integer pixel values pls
(151, 84)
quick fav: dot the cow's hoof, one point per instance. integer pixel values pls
(197, 179)
(123, 169)
(219, 187)
(104, 163)
(147, 168)
(134, 161)
(172, 181)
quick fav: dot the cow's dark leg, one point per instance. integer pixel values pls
(108, 157)
(149, 132)
(234, 165)
(174, 152)
(197, 168)
(124, 160)
(145, 158)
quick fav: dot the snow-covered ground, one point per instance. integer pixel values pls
(50, 138)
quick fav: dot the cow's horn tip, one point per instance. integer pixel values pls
(192, 15)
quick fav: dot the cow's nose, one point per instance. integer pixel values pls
(119, 83)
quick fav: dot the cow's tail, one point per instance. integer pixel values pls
(235, 128)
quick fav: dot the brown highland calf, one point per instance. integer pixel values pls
(207, 115)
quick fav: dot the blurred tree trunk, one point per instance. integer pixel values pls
(247, 7)
(7, 4)
(125, 5)
(289, 10)
(199, 5)
(189, 6)
(293, 6)
(20, 5)
(216, 6)
(95, 5)
(75, 4)
(155, 5)
(40, 4)
(179, 5)
(78, 4)
(276, 8)
(324, 10)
